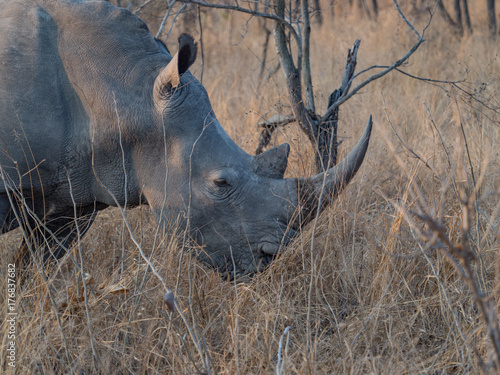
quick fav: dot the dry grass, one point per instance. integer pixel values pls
(366, 299)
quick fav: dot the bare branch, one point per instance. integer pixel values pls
(277, 121)
(327, 143)
(350, 67)
(406, 20)
(164, 20)
(237, 8)
(173, 20)
(346, 96)
(269, 126)
(138, 10)
(374, 77)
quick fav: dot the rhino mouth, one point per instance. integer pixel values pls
(243, 269)
(248, 260)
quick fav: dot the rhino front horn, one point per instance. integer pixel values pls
(330, 186)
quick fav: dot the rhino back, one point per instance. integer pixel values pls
(37, 102)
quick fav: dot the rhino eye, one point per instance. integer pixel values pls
(221, 182)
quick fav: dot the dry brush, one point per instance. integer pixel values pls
(382, 289)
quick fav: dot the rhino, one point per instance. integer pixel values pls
(94, 112)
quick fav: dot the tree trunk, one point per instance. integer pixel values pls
(467, 16)
(375, 8)
(458, 12)
(446, 16)
(292, 76)
(492, 22)
(317, 12)
(327, 137)
(306, 61)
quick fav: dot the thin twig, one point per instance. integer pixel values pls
(82, 273)
(165, 17)
(255, 13)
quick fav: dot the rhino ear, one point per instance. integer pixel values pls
(170, 76)
(273, 162)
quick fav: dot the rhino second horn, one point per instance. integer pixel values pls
(273, 162)
(337, 178)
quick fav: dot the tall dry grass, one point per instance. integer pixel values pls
(370, 297)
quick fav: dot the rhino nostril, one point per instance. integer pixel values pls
(268, 248)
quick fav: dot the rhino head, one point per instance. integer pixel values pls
(238, 208)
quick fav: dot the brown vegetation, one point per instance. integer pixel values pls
(374, 295)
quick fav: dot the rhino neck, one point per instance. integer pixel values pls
(113, 75)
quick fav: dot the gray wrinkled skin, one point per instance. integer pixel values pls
(95, 113)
